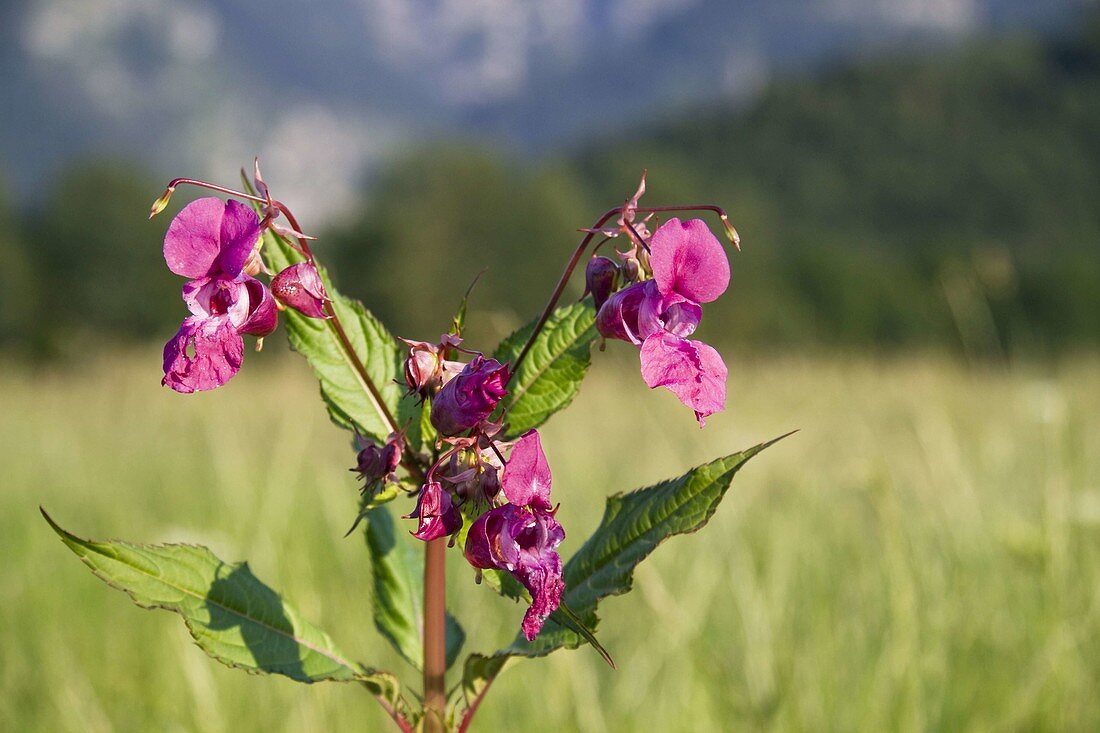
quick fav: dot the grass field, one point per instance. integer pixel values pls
(923, 555)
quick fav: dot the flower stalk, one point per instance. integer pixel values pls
(435, 639)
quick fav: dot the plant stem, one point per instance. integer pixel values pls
(435, 641)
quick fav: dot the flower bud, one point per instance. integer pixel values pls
(422, 368)
(470, 397)
(299, 287)
(601, 278)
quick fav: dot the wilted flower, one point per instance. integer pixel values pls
(376, 463)
(522, 536)
(436, 514)
(299, 287)
(470, 397)
(689, 267)
(210, 241)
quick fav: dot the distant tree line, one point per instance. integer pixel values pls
(948, 201)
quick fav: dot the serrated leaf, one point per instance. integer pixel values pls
(633, 525)
(350, 401)
(398, 575)
(551, 373)
(232, 615)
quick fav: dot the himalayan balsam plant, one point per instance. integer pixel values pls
(447, 433)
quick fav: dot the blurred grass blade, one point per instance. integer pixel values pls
(231, 614)
(398, 575)
(551, 374)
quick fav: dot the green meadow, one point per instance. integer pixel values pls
(923, 555)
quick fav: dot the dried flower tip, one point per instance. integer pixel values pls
(161, 203)
(731, 233)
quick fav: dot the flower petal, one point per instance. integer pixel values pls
(618, 316)
(688, 259)
(673, 313)
(527, 476)
(193, 241)
(210, 297)
(546, 586)
(211, 237)
(204, 354)
(691, 370)
(263, 315)
(240, 231)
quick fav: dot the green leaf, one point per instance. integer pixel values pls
(232, 615)
(351, 402)
(398, 588)
(551, 373)
(633, 525)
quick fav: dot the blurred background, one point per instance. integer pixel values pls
(916, 183)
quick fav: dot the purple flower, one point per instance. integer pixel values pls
(210, 241)
(522, 536)
(689, 267)
(436, 513)
(299, 287)
(470, 397)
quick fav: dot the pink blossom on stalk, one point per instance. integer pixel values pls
(522, 536)
(210, 241)
(299, 287)
(689, 268)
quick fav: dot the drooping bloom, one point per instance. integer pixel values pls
(435, 512)
(522, 536)
(376, 463)
(470, 397)
(210, 241)
(299, 287)
(689, 268)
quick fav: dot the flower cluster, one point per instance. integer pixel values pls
(216, 244)
(521, 535)
(495, 490)
(513, 527)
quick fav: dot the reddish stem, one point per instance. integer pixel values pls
(435, 639)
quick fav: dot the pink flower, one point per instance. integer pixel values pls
(210, 241)
(689, 268)
(522, 536)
